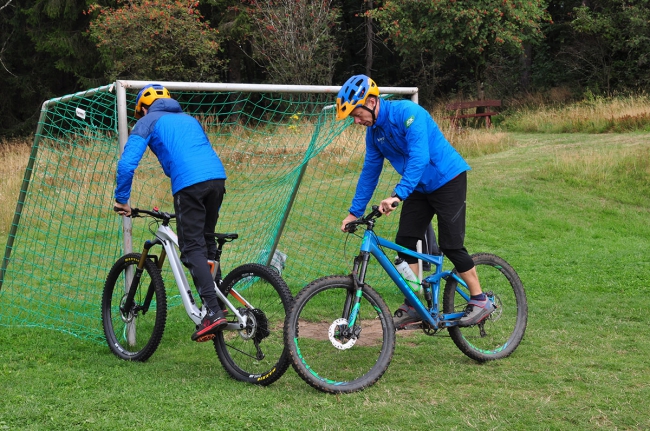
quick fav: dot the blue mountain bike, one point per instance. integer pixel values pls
(340, 333)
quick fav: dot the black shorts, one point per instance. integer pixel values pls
(447, 203)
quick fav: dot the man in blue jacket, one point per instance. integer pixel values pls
(198, 185)
(433, 182)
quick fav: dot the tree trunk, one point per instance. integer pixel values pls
(370, 35)
(526, 66)
(234, 63)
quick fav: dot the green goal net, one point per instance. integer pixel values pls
(292, 171)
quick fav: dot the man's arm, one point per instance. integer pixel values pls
(372, 166)
(126, 166)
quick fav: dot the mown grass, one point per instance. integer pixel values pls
(568, 211)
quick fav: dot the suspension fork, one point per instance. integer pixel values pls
(129, 302)
(353, 298)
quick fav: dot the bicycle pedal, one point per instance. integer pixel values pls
(411, 327)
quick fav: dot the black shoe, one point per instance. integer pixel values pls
(211, 324)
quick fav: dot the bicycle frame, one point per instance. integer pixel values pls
(166, 237)
(372, 245)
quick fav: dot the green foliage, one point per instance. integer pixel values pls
(611, 44)
(157, 39)
(43, 54)
(232, 20)
(58, 29)
(468, 29)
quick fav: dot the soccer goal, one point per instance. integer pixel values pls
(291, 168)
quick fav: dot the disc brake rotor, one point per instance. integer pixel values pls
(337, 337)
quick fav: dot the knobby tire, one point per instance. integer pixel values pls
(318, 359)
(239, 351)
(500, 334)
(133, 336)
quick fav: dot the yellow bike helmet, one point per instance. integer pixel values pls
(147, 95)
(354, 93)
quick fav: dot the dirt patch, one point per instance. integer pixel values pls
(371, 331)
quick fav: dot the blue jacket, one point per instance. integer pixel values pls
(407, 136)
(178, 141)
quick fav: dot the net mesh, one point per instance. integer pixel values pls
(292, 171)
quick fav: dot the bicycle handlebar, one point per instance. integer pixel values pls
(367, 220)
(161, 215)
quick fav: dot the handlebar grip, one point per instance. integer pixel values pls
(134, 211)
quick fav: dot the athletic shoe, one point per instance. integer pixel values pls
(476, 312)
(405, 317)
(211, 324)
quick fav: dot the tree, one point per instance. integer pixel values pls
(294, 40)
(611, 47)
(157, 39)
(432, 31)
(230, 17)
(44, 53)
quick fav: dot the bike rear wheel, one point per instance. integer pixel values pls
(324, 356)
(256, 354)
(500, 334)
(134, 334)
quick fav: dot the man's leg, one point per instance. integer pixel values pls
(189, 204)
(415, 217)
(450, 205)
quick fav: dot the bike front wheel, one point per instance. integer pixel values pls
(255, 354)
(500, 334)
(326, 351)
(133, 332)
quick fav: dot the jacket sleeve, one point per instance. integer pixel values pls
(133, 152)
(372, 166)
(417, 153)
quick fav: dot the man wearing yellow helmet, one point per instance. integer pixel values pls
(433, 182)
(198, 186)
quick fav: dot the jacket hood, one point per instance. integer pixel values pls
(167, 105)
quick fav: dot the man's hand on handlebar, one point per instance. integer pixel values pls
(377, 211)
(347, 220)
(388, 205)
(122, 209)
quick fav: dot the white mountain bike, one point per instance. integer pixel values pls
(134, 306)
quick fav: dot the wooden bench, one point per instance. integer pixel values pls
(459, 107)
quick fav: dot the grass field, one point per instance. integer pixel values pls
(568, 211)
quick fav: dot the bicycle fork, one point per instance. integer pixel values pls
(353, 298)
(128, 306)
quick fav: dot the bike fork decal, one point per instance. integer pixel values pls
(355, 309)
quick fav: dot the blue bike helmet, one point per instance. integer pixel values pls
(354, 93)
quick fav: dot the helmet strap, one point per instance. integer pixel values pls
(372, 111)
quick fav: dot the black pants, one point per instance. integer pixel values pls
(197, 211)
(448, 204)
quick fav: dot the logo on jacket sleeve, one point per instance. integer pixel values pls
(409, 121)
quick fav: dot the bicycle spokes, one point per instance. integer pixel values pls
(326, 351)
(255, 353)
(501, 332)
